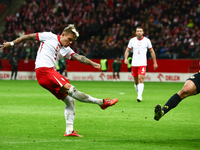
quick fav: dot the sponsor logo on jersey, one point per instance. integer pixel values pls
(166, 107)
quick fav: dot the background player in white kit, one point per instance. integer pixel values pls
(52, 48)
(139, 45)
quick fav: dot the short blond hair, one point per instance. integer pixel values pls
(71, 29)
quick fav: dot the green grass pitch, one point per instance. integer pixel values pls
(31, 118)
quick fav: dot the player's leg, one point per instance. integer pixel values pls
(140, 86)
(12, 73)
(188, 89)
(118, 79)
(61, 71)
(69, 113)
(114, 75)
(53, 81)
(136, 83)
(66, 73)
(69, 116)
(136, 80)
(15, 72)
(59, 86)
(135, 77)
(80, 96)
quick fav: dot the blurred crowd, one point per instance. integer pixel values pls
(105, 26)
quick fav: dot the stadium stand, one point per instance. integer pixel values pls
(105, 26)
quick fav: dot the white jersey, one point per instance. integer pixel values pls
(139, 48)
(51, 50)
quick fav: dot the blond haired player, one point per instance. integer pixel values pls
(53, 48)
(139, 45)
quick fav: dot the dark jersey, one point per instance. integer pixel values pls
(116, 66)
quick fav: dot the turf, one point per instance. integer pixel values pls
(32, 118)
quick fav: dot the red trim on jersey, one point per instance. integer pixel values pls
(128, 48)
(140, 39)
(150, 48)
(41, 46)
(58, 36)
(72, 54)
(37, 35)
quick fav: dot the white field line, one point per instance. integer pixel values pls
(91, 140)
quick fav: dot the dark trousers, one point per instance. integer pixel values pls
(14, 71)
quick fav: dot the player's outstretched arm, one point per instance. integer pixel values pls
(85, 60)
(19, 40)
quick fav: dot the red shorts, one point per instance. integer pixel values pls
(138, 70)
(51, 80)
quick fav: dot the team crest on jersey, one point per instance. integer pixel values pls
(139, 44)
(58, 48)
(192, 77)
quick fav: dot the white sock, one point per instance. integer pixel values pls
(69, 113)
(73, 92)
(136, 88)
(69, 128)
(140, 89)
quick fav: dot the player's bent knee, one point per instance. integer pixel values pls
(65, 88)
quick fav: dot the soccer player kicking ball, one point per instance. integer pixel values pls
(191, 87)
(52, 49)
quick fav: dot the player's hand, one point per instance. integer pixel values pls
(5, 45)
(125, 61)
(155, 66)
(97, 66)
